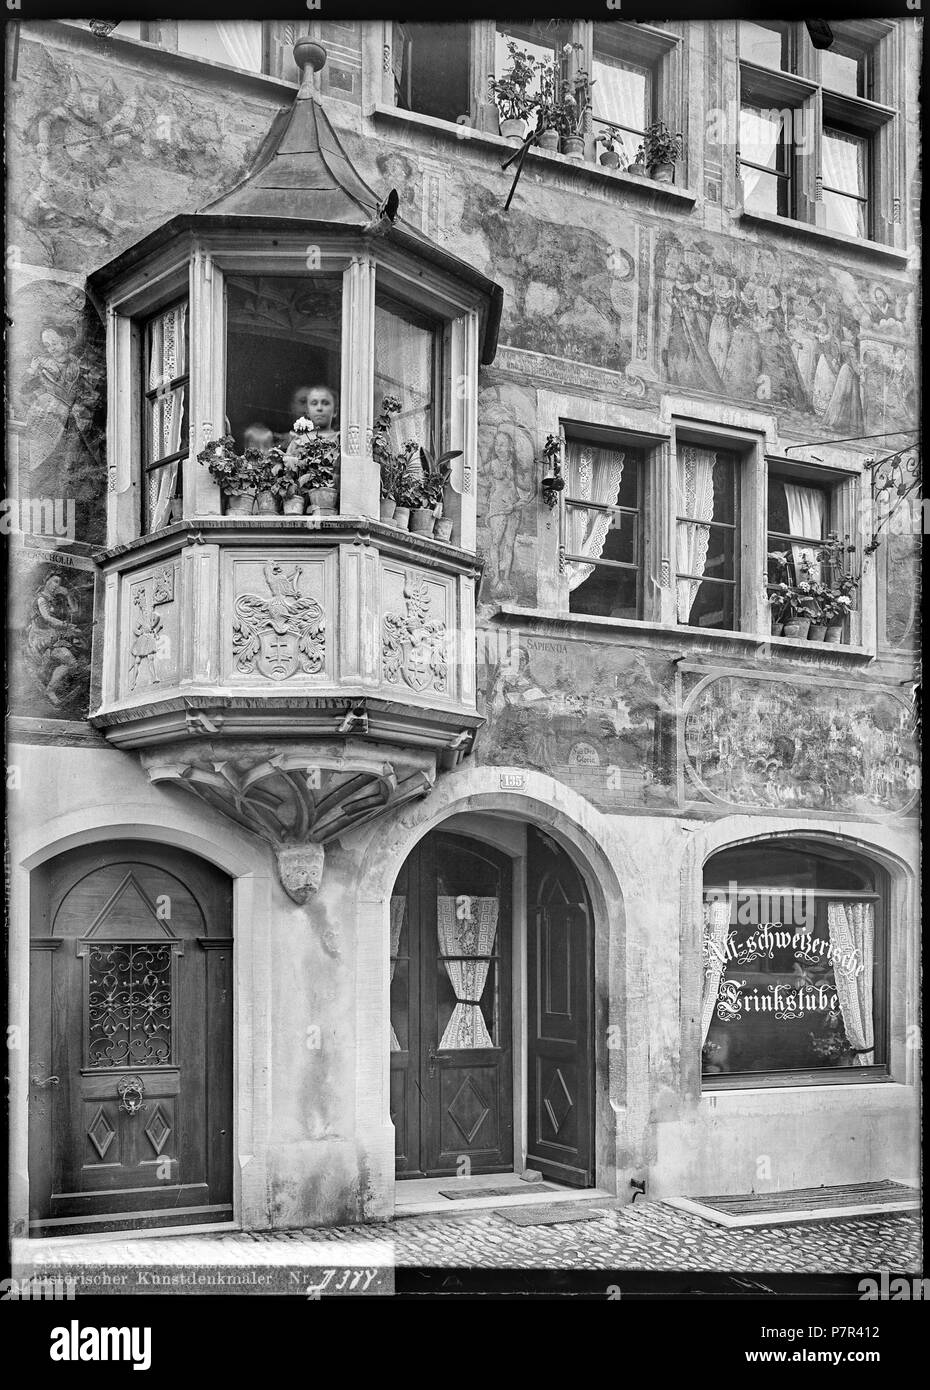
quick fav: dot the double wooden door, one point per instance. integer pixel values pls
(451, 1052)
(130, 1065)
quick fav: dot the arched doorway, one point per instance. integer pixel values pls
(491, 1010)
(130, 1064)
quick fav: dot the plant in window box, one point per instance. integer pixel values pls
(797, 605)
(574, 113)
(390, 466)
(838, 597)
(289, 481)
(436, 474)
(662, 152)
(610, 156)
(513, 95)
(638, 167)
(235, 474)
(547, 110)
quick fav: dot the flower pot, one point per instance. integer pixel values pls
(663, 173)
(443, 529)
(388, 508)
(797, 628)
(573, 146)
(610, 159)
(637, 170)
(402, 517)
(834, 633)
(777, 628)
(267, 504)
(322, 501)
(549, 139)
(422, 520)
(816, 631)
(515, 129)
(239, 503)
(293, 506)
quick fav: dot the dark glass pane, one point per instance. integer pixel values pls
(628, 496)
(777, 506)
(714, 606)
(790, 863)
(724, 488)
(284, 346)
(606, 593)
(438, 58)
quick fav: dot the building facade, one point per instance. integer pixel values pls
(341, 854)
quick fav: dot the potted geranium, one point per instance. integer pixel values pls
(289, 481)
(316, 459)
(837, 600)
(513, 95)
(235, 474)
(609, 137)
(574, 109)
(638, 167)
(382, 451)
(547, 107)
(662, 152)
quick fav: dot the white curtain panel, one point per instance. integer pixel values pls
(404, 368)
(695, 500)
(166, 361)
(805, 518)
(398, 912)
(593, 476)
(758, 141)
(843, 159)
(852, 929)
(714, 945)
(467, 928)
(242, 40)
(621, 96)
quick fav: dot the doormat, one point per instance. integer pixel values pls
(802, 1204)
(523, 1189)
(552, 1216)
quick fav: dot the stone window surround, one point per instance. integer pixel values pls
(195, 269)
(753, 435)
(877, 118)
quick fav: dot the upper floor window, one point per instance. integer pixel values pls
(236, 42)
(408, 366)
(603, 529)
(845, 155)
(797, 527)
(769, 43)
(166, 419)
(794, 962)
(431, 64)
(707, 537)
(634, 83)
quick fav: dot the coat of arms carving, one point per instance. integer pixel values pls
(413, 645)
(281, 635)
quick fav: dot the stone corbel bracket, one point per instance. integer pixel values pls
(299, 799)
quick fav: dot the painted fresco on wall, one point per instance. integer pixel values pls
(902, 590)
(793, 746)
(104, 154)
(57, 429)
(733, 323)
(507, 486)
(586, 714)
(49, 640)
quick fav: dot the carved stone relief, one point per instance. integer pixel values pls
(280, 633)
(414, 644)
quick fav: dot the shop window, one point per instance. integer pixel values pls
(408, 367)
(706, 537)
(431, 69)
(283, 355)
(603, 529)
(166, 422)
(793, 961)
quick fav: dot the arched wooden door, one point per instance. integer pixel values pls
(130, 1061)
(451, 1049)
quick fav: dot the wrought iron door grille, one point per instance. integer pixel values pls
(129, 1005)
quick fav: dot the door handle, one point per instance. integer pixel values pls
(434, 1060)
(40, 1082)
(130, 1091)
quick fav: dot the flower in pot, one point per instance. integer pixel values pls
(609, 138)
(233, 473)
(512, 93)
(315, 459)
(662, 152)
(838, 598)
(382, 451)
(289, 481)
(574, 113)
(436, 473)
(638, 167)
(548, 131)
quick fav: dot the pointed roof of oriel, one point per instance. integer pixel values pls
(302, 169)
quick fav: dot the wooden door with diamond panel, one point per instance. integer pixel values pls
(451, 1051)
(130, 1117)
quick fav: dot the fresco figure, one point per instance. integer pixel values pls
(509, 471)
(55, 646)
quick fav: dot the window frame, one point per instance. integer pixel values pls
(639, 568)
(881, 896)
(734, 528)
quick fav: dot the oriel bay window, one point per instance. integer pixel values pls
(603, 529)
(707, 578)
(166, 413)
(793, 962)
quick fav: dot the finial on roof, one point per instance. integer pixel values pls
(309, 57)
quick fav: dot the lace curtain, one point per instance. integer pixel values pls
(843, 158)
(852, 936)
(696, 501)
(593, 475)
(713, 954)
(167, 360)
(805, 518)
(759, 135)
(398, 912)
(467, 928)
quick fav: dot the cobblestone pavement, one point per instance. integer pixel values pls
(647, 1236)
